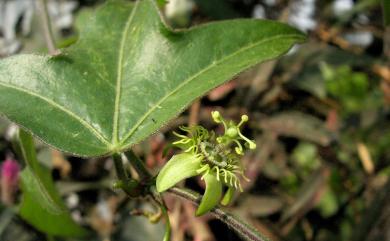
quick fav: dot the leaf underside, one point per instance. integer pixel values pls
(128, 75)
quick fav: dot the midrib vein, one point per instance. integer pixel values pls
(95, 132)
(115, 123)
(185, 82)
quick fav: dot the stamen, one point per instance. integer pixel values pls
(244, 118)
(239, 149)
(218, 119)
(252, 145)
(216, 116)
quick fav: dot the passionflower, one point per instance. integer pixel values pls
(217, 159)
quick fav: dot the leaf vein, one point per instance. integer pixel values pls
(119, 75)
(93, 130)
(188, 80)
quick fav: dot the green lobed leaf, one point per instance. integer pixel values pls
(178, 168)
(129, 74)
(41, 204)
(211, 196)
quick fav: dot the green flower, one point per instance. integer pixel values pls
(216, 158)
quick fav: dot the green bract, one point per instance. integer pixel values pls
(128, 75)
(216, 158)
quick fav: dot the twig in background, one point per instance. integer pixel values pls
(46, 26)
(194, 113)
(244, 230)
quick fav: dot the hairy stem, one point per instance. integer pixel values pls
(244, 230)
(167, 235)
(139, 166)
(120, 170)
(46, 25)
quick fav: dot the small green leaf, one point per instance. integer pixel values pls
(211, 196)
(41, 205)
(180, 167)
(111, 89)
(228, 197)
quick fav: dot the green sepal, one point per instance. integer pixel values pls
(211, 196)
(180, 167)
(228, 197)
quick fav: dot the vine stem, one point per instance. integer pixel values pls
(244, 230)
(138, 165)
(120, 170)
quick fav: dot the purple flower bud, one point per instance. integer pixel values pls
(10, 169)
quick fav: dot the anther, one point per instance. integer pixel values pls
(216, 116)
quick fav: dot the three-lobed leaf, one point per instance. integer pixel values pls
(128, 74)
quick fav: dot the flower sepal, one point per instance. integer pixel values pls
(211, 196)
(178, 168)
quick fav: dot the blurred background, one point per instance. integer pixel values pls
(320, 117)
